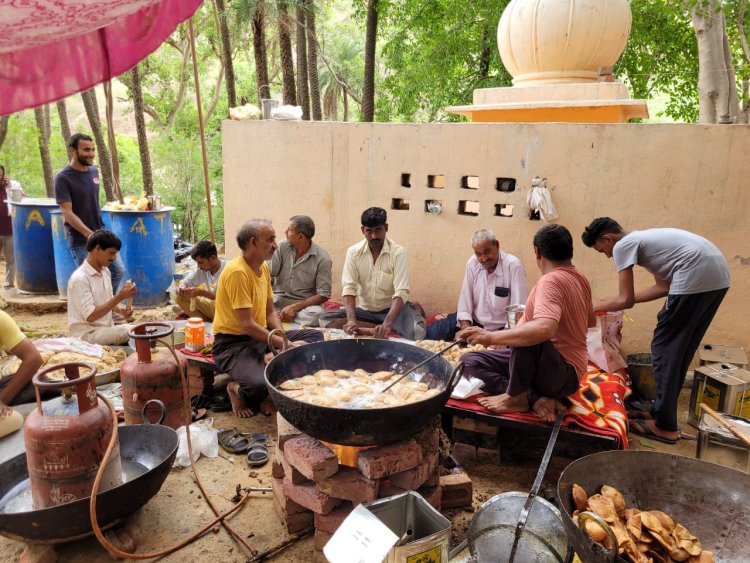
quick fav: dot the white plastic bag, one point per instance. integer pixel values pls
(287, 113)
(204, 439)
(539, 199)
(603, 342)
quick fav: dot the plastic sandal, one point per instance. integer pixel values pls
(257, 453)
(220, 403)
(200, 401)
(233, 441)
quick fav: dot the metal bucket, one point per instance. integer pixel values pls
(514, 312)
(147, 252)
(424, 532)
(32, 241)
(493, 527)
(641, 372)
(64, 263)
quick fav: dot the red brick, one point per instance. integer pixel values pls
(310, 457)
(277, 465)
(387, 489)
(457, 490)
(432, 495)
(321, 539)
(350, 484)
(330, 522)
(284, 431)
(293, 522)
(285, 503)
(389, 459)
(288, 471)
(429, 436)
(310, 497)
(412, 479)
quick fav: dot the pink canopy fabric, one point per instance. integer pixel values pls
(50, 49)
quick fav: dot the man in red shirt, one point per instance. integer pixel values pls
(547, 354)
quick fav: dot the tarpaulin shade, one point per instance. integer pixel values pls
(50, 49)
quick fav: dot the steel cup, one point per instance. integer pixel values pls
(514, 312)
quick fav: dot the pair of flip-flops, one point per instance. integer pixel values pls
(236, 442)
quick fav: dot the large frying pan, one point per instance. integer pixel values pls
(710, 500)
(147, 453)
(359, 427)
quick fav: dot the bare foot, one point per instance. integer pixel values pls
(547, 408)
(267, 407)
(505, 404)
(239, 408)
(663, 433)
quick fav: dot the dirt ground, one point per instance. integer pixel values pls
(178, 508)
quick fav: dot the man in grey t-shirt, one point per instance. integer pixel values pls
(692, 273)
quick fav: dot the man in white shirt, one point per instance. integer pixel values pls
(196, 295)
(375, 285)
(493, 280)
(90, 299)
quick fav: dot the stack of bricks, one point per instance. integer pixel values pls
(311, 488)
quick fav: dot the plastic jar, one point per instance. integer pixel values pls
(195, 334)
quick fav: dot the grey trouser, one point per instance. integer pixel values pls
(6, 246)
(410, 323)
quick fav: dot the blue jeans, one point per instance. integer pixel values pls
(116, 270)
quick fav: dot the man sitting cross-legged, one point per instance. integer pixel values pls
(547, 354)
(244, 317)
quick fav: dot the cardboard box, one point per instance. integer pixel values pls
(723, 387)
(719, 353)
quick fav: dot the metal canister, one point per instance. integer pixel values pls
(150, 374)
(66, 439)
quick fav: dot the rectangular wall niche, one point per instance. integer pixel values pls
(468, 207)
(470, 182)
(505, 184)
(400, 204)
(405, 180)
(436, 181)
(503, 210)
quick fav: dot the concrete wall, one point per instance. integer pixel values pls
(687, 176)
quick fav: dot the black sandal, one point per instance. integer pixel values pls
(233, 441)
(200, 401)
(220, 403)
(257, 453)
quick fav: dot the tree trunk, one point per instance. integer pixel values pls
(226, 47)
(43, 133)
(312, 61)
(4, 119)
(62, 113)
(285, 50)
(717, 90)
(346, 105)
(259, 46)
(140, 128)
(105, 163)
(371, 35)
(303, 89)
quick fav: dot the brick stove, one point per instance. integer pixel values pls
(313, 486)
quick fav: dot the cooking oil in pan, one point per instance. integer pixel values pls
(18, 499)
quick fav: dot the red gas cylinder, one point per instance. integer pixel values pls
(67, 437)
(152, 373)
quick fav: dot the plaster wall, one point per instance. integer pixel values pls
(644, 175)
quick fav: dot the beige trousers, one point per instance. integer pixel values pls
(204, 307)
(108, 336)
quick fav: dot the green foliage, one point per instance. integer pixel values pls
(435, 53)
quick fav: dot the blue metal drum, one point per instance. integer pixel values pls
(107, 219)
(147, 252)
(64, 263)
(32, 242)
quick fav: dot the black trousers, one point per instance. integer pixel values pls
(681, 325)
(242, 358)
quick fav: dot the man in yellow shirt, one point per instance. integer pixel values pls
(245, 315)
(13, 341)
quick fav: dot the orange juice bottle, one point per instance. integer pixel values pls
(195, 334)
